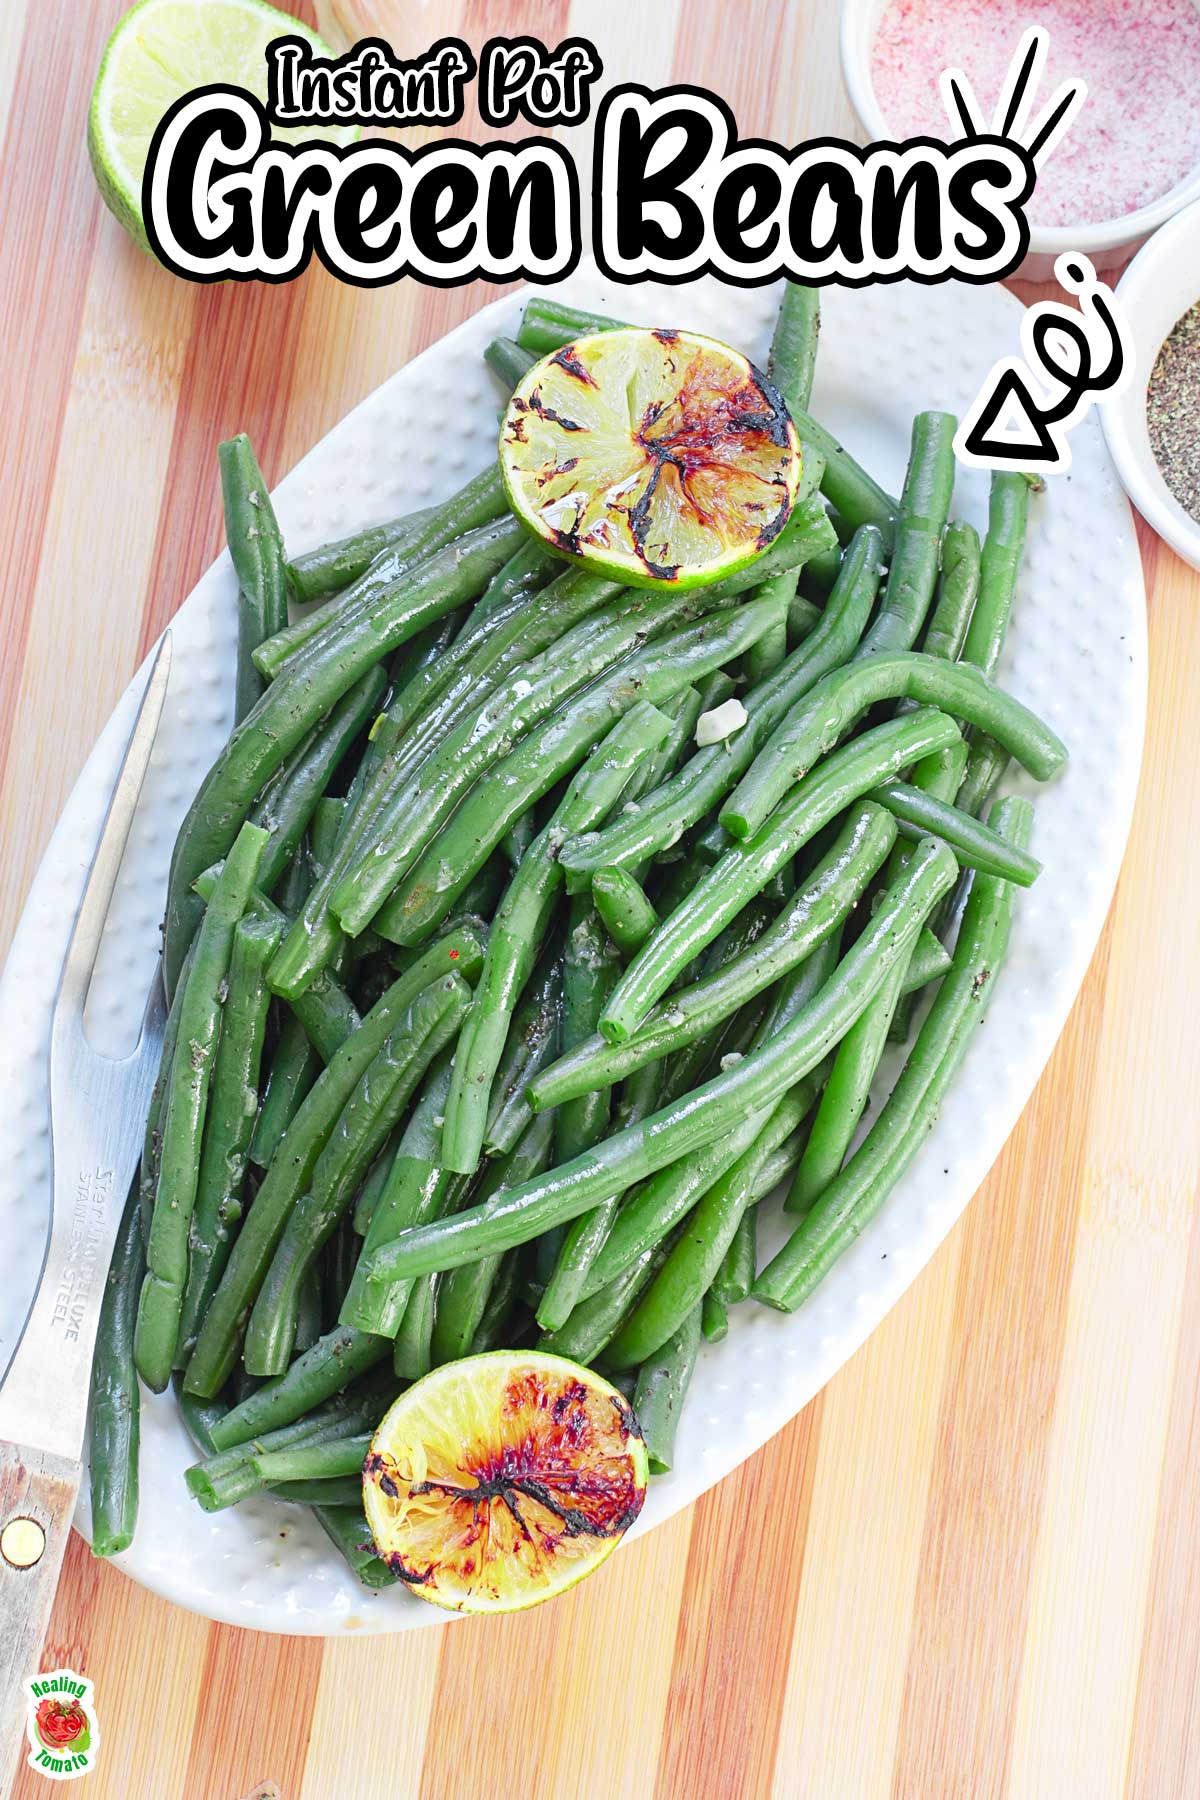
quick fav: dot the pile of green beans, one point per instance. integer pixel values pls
(501, 998)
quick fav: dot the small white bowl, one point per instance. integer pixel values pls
(1159, 286)
(1107, 242)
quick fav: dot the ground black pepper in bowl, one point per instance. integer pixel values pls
(1173, 411)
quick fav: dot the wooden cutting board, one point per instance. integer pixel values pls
(971, 1567)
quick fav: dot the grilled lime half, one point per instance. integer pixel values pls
(502, 1479)
(655, 457)
(159, 51)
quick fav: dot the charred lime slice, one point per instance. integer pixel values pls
(654, 456)
(500, 1480)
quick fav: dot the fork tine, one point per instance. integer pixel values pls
(102, 876)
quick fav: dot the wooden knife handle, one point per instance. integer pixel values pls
(37, 1504)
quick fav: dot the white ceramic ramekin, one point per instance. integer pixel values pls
(1159, 286)
(1107, 243)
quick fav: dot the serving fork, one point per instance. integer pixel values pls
(97, 1113)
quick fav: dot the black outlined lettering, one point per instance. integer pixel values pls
(223, 202)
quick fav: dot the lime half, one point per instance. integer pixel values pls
(500, 1480)
(161, 50)
(654, 456)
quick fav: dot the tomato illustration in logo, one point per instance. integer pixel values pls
(59, 1722)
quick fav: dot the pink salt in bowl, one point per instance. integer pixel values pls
(1107, 241)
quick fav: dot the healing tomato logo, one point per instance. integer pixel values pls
(59, 1722)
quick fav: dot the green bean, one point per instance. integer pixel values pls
(256, 548)
(309, 1319)
(735, 1277)
(659, 669)
(347, 1528)
(714, 1318)
(293, 704)
(845, 484)
(495, 1328)
(746, 868)
(289, 1174)
(373, 1188)
(652, 1211)
(343, 1490)
(793, 356)
(227, 1474)
(417, 1190)
(662, 820)
(417, 787)
(930, 961)
(547, 326)
(589, 971)
(319, 1021)
(412, 1354)
(535, 692)
(845, 1098)
(662, 1386)
(939, 777)
(532, 1042)
(520, 926)
(986, 764)
(325, 1010)
(682, 709)
(924, 509)
(530, 568)
(221, 1482)
(958, 589)
(480, 503)
(628, 915)
(231, 1112)
(518, 840)
(596, 1320)
(586, 1236)
(427, 1025)
(316, 574)
(114, 1417)
(463, 1294)
(1008, 510)
(687, 1124)
(688, 1015)
(334, 1361)
(294, 1068)
(313, 1462)
(199, 1416)
(816, 722)
(288, 803)
(976, 846)
(185, 1105)
(768, 654)
(509, 361)
(904, 1121)
(152, 1137)
(696, 1257)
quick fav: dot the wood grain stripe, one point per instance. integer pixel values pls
(735, 1621)
(47, 198)
(255, 1713)
(540, 1683)
(879, 1430)
(1137, 1206)
(981, 1526)
(146, 1670)
(119, 415)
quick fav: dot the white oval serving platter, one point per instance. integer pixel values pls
(1077, 654)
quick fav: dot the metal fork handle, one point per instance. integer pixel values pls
(98, 1109)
